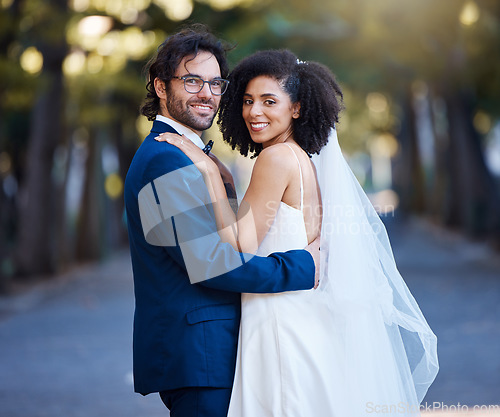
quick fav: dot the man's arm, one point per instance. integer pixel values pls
(176, 213)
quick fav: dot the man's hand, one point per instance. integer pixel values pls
(227, 178)
(228, 181)
(313, 249)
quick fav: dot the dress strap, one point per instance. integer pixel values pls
(300, 173)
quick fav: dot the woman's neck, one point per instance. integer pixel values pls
(286, 136)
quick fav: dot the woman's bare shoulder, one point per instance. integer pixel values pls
(276, 158)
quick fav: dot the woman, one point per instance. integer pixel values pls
(359, 343)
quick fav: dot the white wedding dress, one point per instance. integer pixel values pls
(284, 342)
(356, 346)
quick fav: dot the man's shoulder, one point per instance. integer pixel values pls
(154, 159)
(161, 127)
(151, 149)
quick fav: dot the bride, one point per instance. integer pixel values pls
(356, 345)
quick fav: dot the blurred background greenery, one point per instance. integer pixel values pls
(421, 127)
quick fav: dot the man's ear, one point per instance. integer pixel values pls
(296, 110)
(160, 88)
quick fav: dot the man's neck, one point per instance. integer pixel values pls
(182, 129)
(171, 121)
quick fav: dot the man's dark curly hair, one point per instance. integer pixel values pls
(310, 83)
(188, 42)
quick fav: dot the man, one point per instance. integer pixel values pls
(187, 282)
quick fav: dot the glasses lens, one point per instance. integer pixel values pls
(193, 84)
(218, 86)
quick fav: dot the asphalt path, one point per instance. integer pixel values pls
(65, 342)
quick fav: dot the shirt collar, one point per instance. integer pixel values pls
(182, 130)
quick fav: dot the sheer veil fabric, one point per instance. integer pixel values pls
(382, 344)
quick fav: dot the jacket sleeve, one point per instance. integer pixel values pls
(177, 214)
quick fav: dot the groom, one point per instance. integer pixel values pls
(187, 282)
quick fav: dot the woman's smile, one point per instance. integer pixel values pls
(268, 111)
(258, 127)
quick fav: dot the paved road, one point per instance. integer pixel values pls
(65, 347)
(457, 285)
(65, 344)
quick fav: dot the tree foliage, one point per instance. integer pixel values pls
(424, 72)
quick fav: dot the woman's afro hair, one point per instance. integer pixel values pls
(310, 83)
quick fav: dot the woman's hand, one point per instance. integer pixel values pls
(202, 161)
(224, 214)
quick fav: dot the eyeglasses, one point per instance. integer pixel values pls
(194, 84)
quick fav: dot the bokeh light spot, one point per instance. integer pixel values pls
(143, 126)
(469, 14)
(227, 4)
(482, 122)
(176, 10)
(74, 63)
(385, 201)
(113, 185)
(94, 63)
(384, 144)
(79, 5)
(376, 102)
(32, 60)
(95, 25)
(129, 15)
(5, 163)
(109, 43)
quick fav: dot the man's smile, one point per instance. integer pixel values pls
(202, 107)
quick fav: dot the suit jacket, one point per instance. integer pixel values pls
(186, 334)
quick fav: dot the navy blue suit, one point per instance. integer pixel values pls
(185, 335)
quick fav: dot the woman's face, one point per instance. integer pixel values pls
(268, 111)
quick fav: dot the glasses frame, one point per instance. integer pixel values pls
(184, 77)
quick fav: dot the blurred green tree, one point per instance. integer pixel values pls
(427, 73)
(38, 201)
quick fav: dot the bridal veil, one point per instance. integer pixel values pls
(383, 344)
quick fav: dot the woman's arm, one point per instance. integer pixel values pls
(270, 177)
(209, 168)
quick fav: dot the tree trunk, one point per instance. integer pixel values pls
(36, 233)
(10, 33)
(89, 245)
(125, 155)
(475, 200)
(440, 195)
(408, 175)
(37, 237)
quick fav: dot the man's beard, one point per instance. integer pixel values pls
(181, 111)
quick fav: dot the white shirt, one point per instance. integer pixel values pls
(182, 130)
